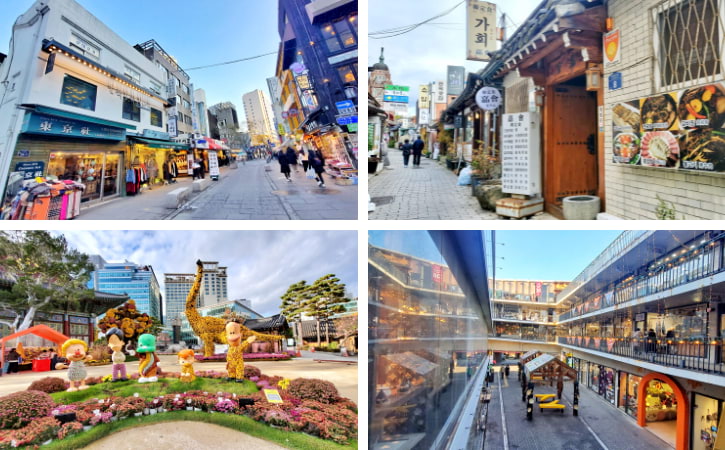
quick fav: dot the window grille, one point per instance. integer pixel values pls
(688, 38)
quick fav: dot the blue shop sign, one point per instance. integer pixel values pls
(30, 169)
(43, 124)
(346, 120)
(395, 98)
(153, 134)
(615, 81)
(344, 104)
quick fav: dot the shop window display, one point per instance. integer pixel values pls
(628, 388)
(97, 171)
(606, 384)
(705, 421)
(660, 401)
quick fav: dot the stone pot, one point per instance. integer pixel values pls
(581, 207)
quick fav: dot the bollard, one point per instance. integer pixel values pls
(575, 402)
(523, 387)
(530, 402)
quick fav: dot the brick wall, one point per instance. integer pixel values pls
(631, 190)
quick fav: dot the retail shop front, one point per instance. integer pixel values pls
(66, 151)
(148, 153)
(332, 141)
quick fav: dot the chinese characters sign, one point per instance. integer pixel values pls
(488, 98)
(520, 154)
(37, 123)
(456, 79)
(481, 30)
(30, 169)
(423, 96)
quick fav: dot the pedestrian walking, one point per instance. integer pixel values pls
(196, 166)
(14, 361)
(506, 370)
(317, 161)
(304, 157)
(417, 151)
(291, 154)
(651, 340)
(407, 148)
(284, 164)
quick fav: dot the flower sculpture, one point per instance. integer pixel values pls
(75, 350)
(186, 360)
(235, 354)
(148, 360)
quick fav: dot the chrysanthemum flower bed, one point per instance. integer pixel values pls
(247, 357)
(29, 418)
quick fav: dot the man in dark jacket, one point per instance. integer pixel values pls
(417, 151)
(292, 158)
(406, 147)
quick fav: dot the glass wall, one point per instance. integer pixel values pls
(427, 338)
(628, 385)
(706, 413)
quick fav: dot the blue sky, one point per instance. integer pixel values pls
(195, 32)
(261, 264)
(422, 55)
(525, 255)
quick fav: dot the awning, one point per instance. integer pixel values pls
(56, 123)
(412, 362)
(159, 143)
(75, 116)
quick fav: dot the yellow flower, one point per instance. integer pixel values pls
(283, 384)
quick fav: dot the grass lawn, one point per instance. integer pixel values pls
(240, 423)
(151, 390)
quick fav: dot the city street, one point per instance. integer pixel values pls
(249, 192)
(428, 192)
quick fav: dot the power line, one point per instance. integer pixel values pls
(231, 62)
(392, 32)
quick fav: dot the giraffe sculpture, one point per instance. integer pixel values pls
(212, 330)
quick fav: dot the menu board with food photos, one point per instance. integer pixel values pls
(684, 129)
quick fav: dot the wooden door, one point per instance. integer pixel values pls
(570, 149)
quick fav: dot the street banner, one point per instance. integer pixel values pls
(437, 273)
(213, 164)
(456, 79)
(481, 30)
(424, 96)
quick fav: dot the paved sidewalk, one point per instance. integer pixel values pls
(427, 192)
(250, 192)
(550, 429)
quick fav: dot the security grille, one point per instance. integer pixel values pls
(688, 36)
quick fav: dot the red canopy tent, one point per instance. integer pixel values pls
(43, 331)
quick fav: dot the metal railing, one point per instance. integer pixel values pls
(698, 355)
(700, 263)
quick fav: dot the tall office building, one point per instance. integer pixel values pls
(213, 289)
(275, 95)
(200, 105)
(137, 281)
(258, 111)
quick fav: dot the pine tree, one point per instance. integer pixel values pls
(293, 305)
(326, 298)
(45, 273)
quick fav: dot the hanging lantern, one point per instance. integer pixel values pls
(594, 77)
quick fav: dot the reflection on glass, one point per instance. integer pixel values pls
(426, 340)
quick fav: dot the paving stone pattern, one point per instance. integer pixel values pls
(425, 193)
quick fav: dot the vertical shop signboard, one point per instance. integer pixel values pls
(190, 163)
(456, 79)
(436, 273)
(520, 154)
(213, 164)
(481, 30)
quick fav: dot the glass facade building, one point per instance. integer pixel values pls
(137, 281)
(429, 319)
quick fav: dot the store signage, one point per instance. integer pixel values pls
(303, 81)
(345, 119)
(520, 154)
(30, 169)
(675, 130)
(440, 92)
(456, 79)
(371, 136)
(612, 48)
(312, 126)
(38, 123)
(153, 134)
(480, 30)
(458, 121)
(171, 87)
(424, 96)
(615, 81)
(437, 273)
(171, 123)
(639, 317)
(423, 117)
(345, 104)
(395, 98)
(538, 288)
(297, 67)
(488, 98)
(344, 57)
(352, 127)
(23, 153)
(213, 164)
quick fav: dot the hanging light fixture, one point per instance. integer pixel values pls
(594, 77)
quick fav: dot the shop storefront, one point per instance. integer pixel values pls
(602, 381)
(149, 156)
(74, 155)
(706, 412)
(627, 399)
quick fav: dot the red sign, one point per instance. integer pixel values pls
(538, 288)
(437, 273)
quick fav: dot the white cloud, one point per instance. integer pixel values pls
(261, 264)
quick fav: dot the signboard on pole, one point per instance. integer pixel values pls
(612, 48)
(440, 92)
(423, 117)
(424, 96)
(171, 122)
(396, 94)
(480, 30)
(520, 155)
(488, 98)
(456, 79)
